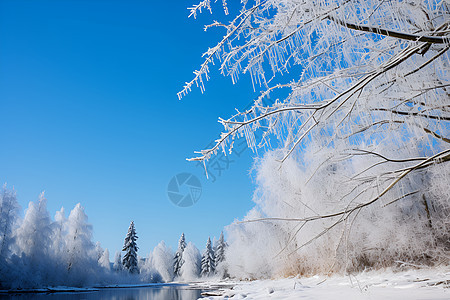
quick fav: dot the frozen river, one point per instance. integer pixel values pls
(166, 292)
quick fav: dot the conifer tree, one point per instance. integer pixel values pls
(118, 262)
(104, 260)
(208, 260)
(80, 258)
(191, 268)
(59, 232)
(9, 209)
(178, 259)
(33, 239)
(220, 250)
(163, 261)
(130, 260)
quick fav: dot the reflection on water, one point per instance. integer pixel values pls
(140, 293)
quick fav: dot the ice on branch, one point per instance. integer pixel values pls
(356, 130)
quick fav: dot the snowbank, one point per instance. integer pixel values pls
(413, 284)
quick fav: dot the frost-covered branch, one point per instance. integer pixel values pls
(391, 33)
(441, 157)
(357, 121)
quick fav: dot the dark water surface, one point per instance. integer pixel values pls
(170, 292)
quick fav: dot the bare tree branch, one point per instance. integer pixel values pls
(391, 33)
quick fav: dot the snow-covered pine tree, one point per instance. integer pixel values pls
(81, 262)
(9, 210)
(33, 241)
(163, 261)
(98, 250)
(208, 260)
(59, 247)
(130, 259)
(104, 260)
(59, 232)
(178, 259)
(190, 270)
(220, 250)
(118, 262)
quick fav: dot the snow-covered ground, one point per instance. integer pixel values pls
(412, 284)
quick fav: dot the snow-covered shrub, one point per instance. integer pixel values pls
(295, 234)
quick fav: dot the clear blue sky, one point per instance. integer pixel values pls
(89, 113)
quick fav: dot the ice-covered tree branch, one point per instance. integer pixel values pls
(358, 104)
(395, 34)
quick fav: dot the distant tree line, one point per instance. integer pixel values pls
(36, 251)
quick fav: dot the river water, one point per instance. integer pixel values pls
(167, 292)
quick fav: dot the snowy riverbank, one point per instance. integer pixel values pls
(413, 284)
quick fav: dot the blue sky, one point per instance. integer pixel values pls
(89, 113)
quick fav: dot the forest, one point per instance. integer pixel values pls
(36, 252)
